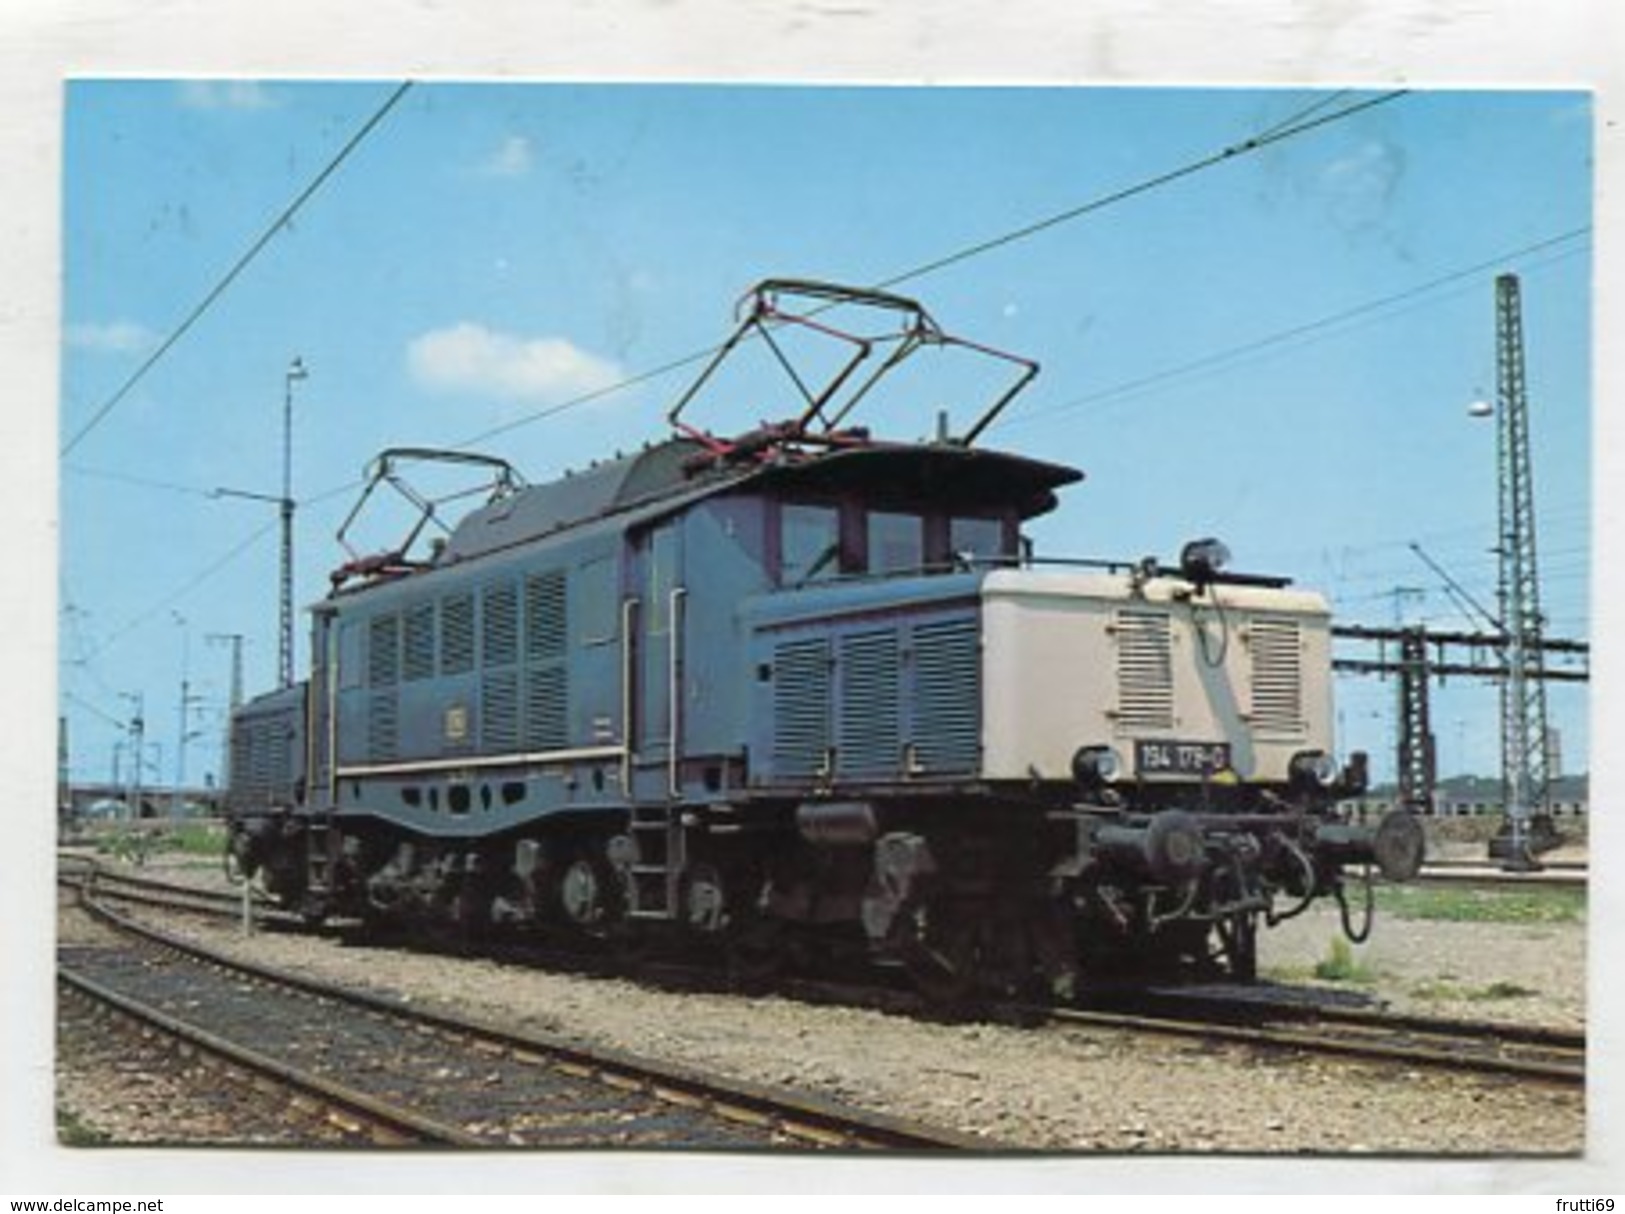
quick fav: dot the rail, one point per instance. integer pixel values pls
(665, 1100)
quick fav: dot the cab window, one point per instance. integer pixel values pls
(809, 544)
(896, 542)
(973, 540)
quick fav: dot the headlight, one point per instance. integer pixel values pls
(1200, 561)
(1096, 766)
(1313, 767)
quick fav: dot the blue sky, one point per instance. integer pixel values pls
(1279, 350)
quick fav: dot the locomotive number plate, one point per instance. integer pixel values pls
(1181, 758)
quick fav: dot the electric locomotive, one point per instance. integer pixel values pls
(805, 689)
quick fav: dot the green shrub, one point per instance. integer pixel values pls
(1502, 990)
(71, 1132)
(1464, 904)
(1339, 965)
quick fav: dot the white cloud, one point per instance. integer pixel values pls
(1360, 187)
(512, 159)
(115, 337)
(225, 95)
(468, 357)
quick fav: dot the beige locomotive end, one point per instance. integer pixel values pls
(1229, 683)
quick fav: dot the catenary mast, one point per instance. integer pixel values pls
(1525, 773)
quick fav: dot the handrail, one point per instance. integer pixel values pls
(674, 706)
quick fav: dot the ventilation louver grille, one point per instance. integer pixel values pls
(383, 651)
(418, 659)
(383, 673)
(457, 634)
(1277, 676)
(499, 712)
(546, 709)
(947, 725)
(1145, 671)
(383, 726)
(499, 625)
(262, 760)
(869, 730)
(546, 616)
(801, 707)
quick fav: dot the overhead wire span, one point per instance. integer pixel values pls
(141, 482)
(1292, 127)
(236, 269)
(175, 596)
(1283, 336)
(93, 709)
(1299, 115)
(1246, 147)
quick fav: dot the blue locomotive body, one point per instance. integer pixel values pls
(807, 684)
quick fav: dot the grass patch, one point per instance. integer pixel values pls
(1439, 990)
(196, 839)
(1460, 904)
(1501, 990)
(1450, 992)
(136, 843)
(1339, 964)
(71, 1132)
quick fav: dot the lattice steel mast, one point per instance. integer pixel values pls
(1525, 776)
(296, 370)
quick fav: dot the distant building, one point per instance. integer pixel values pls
(1471, 796)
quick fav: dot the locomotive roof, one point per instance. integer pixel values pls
(605, 488)
(929, 475)
(664, 477)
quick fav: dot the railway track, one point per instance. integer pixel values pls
(1257, 1017)
(1527, 1053)
(432, 1078)
(151, 891)
(1564, 874)
(331, 1111)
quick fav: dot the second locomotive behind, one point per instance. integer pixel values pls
(804, 690)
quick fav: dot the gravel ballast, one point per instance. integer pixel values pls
(1081, 1090)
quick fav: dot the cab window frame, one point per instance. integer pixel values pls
(819, 567)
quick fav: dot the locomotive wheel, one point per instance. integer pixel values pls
(705, 900)
(940, 951)
(584, 893)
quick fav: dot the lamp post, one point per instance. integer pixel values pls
(296, 371)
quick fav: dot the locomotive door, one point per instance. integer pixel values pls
(657, 662)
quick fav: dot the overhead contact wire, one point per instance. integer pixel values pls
(1297, 125)
(1282, 336)
(241, 264)
(1246, 147)
(176, 595)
